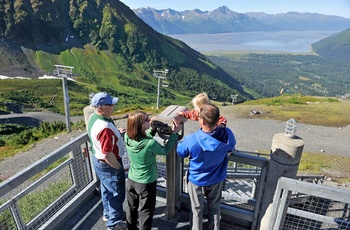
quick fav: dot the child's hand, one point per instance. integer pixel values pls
(176, 127)
(180, 113)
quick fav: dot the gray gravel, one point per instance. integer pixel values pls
(257, 135)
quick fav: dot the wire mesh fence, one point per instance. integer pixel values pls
(302, 205)
(34, 195)
(241, 185)
(318, 213)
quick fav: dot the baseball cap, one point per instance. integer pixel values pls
(103, 98)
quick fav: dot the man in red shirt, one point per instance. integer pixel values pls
(107, 148)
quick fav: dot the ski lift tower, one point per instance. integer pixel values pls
(160, 74)
(65, 72)
(234, 98)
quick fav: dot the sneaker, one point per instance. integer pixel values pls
(120, 226)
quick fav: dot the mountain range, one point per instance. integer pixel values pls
(223, 20)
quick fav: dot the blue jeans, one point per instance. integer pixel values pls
(112, 182)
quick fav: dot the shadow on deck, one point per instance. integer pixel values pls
(90, 217)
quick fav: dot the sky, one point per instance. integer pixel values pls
(326, 7)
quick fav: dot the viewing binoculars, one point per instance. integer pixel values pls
(164, 121)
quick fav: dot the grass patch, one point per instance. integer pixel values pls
(335, 167)
(321, 111)
(35, 202)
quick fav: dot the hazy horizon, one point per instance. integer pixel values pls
(281, 41)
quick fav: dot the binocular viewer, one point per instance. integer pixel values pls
(164, 121)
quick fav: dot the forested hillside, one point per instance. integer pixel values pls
(325, 73)
(271, 74)
(336, 47)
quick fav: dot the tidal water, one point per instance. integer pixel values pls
(281, 41)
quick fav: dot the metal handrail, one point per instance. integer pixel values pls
(83, 185)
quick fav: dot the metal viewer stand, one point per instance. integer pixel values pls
(164, 124)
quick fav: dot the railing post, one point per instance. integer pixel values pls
(17, 216)
(284, 161)
(79, 177)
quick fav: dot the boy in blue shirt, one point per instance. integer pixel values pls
(207, 150)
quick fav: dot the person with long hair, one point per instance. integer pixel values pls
(197, 102)
(141, 184)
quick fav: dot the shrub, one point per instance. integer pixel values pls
(21, 139)
(2, 142)
(32, 135)
(8, 129)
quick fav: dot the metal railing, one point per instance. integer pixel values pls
(47, 192)
(245, 186)
(303, 205)
(50, 191)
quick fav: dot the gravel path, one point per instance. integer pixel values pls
(251, 134)
(257, 134)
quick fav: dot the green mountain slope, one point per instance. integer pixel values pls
(110, 48)
(336, 47)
